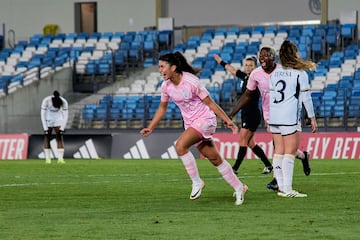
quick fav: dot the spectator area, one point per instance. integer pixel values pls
(335, 84)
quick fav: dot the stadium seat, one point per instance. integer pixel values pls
(100, 113)
(150, 48)
(127, 113)
(333, 37)
(104, 68)
(164, 39)
(317, 47)
(348, 31)
(140, 113)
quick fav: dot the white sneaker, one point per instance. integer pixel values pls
(196, 190)
(48, 161)
(292, 194)
(267, 170)
(240, 194)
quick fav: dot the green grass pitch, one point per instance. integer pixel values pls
(149, 199)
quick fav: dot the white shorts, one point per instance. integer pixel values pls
(285, 130)
(54, 122)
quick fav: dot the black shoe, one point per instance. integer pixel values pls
(306, 164)
(273, 185)
(235, 171)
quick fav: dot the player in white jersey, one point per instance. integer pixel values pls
(199, 112)
(259, 78)
(54, 116)
(289, 89)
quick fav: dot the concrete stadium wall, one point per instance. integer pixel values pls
(29, 17)
(214, 12)
(115, 15)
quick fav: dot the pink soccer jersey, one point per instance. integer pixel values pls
(260, 79)
(188, 97)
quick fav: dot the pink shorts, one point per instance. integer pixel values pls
(205, 127)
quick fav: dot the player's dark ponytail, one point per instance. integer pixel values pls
(56, 100)
(180, 62)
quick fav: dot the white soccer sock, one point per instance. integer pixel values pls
(189, 162)
(277, 168)
(288, 170)
(47, 153)
(60, 153)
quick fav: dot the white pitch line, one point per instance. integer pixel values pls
(52, 183)
(149, 174)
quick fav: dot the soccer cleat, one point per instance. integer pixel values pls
(48, 161)
(240, 195)
(306, 164)
(61, 161)
(235, 171)
(292, 194)
(196, 190)
(273, 185)
(267, 170)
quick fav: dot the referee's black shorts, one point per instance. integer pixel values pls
(251, 119)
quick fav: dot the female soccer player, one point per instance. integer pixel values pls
(259, 78)
(250, 116)
(199, 112)
(289, 89)
(54, 115)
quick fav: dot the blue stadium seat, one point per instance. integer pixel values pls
(348, 32)
(100, 113)
(272, 29)
(294, 33)
(177, 114)
(91, 68)
(148, 62)
(317, 47)
(308, 31)
(150, 48)
(338, 110)
(127, 114)
(354, 111)
(333, 36)
(227, 88)
(164, 39)
(326, 110)
(104, 68)
(206, 73)
(140, 113)
(329, 94)
(345, 84)
(198, 62)
(114, 113)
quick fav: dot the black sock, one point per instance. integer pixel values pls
(260, 153)
(240, 157)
